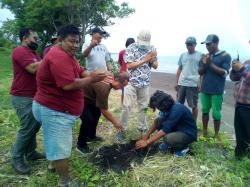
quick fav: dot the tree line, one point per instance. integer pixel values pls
(47, 16)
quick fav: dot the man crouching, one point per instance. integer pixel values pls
(175, 123)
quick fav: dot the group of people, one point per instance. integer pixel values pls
(206, 73)
(54, 91)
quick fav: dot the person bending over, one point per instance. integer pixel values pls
(175, 123)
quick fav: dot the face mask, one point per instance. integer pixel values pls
(33, 46)
(143, 47)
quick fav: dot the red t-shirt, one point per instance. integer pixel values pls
(24, 83)
(121, 61)
(57, 70)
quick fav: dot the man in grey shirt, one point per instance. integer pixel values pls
(187, 77)
(96, 54)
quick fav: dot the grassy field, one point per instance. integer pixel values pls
(209, 165)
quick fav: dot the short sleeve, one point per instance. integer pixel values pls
(65, 74)
(227, 62)
(25, 57)
(180, 61)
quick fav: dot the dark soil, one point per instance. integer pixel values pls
(118, 157)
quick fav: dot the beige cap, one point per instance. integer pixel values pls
(144, 38)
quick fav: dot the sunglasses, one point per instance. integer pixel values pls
(208, 44)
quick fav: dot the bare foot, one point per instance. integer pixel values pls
(217, 139)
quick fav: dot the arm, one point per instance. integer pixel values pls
(199, 83)
(108, 66)
(136, 64)
(237, 68)
(218, 70)
(92, 44)
(203, 64)
(178, 72)
(143, 143)
(150, 131)
(94, 76)
(154, 64)
(109, 116)
(33, 67)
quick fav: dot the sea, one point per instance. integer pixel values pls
(166, 64)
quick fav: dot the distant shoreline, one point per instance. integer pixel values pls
(166, 82)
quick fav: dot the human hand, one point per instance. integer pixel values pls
(237, 65)
(145, 137)
(141, 144)
(98, 75)
(206, 59)
(176, 87)
(199, 88)
(109, 79)
(94, 43)
(118, 127)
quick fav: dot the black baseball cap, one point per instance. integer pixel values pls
(211, 38)
(98, 30)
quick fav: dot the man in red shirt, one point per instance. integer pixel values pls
(122, 53)
(122, 62)
(25, 61)
(58, 101)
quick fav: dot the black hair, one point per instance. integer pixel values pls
(68, 30)
(161, 100)
(129, 41)
(25, 32)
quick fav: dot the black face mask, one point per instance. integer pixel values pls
(33, 46)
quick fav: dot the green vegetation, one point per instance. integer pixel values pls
(209, 164)
(46, 17)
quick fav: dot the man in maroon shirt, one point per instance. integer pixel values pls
(58, 101)
(122, 62)
(25, 64)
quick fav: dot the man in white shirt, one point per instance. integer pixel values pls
(96, 54)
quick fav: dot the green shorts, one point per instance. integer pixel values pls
(214, 101)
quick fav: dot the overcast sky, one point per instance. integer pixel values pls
(171, 22)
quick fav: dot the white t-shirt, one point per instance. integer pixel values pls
(97, 57)
(189, 63)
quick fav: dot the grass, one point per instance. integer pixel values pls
(208, 165)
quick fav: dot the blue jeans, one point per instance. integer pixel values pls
(25, 144)
(57, 131)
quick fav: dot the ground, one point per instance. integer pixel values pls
(209, 164)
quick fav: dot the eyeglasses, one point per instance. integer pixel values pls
(208, 44)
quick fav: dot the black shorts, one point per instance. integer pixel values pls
(189, 93)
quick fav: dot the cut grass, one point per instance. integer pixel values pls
(208, 165)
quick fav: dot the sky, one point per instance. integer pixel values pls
(171, 22)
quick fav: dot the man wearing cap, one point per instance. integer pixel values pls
(96, 54)
(214, 67)
(187, 77)
(139, 58)
(54, 40)
(97, 57)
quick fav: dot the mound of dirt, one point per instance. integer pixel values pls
(118, 157)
